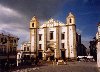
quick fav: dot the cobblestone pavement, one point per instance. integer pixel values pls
(69, 67)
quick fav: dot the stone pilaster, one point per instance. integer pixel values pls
(57, 43)
(68, 41)
(35, 42)
(74, 40)
(45, 41)
(35, 39)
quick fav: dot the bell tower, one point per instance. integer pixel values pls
(70, 19)
(71, 35)
(34, 24)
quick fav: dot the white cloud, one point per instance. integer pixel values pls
(22, 34)
(8, 11)
(13, 22)
(87, 38)
(15, 28)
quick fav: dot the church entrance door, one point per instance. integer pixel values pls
(40, 55)
(62, 54)
(52, 57)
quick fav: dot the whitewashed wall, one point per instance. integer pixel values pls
(71, 41)
(61, 30)
(41, 31)
(48, 32)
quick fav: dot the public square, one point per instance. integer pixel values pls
(69, 67)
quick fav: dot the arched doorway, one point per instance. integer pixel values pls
(49, 54)
(51, 45)
(52, 57)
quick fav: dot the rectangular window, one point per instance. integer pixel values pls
(40, 37)
(40, 46)
(62, 45)
(27, 48)
(4, 50)
(51, 35)
(1, 39)
(14, 49)
(24, 48)
(0, 49)
(14, 41)
(63, 35)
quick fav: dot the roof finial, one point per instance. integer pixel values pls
(70, 14)
(34, 18)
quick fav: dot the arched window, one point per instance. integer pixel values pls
(32, 24)
(70, 20)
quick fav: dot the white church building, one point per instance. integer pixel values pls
(53, 39)
(98, 45)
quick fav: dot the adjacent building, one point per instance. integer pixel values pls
(81, 49)
(93, 48)
(53, 39)
(26, 54)
(8, 49)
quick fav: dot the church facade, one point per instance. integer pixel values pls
(53, 39)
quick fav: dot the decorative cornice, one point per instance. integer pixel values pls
(71, 25)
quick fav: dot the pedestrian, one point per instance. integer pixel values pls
(53, 62)
(36, 62)
(57, 61)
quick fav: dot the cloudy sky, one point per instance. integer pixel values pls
(16, 14)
